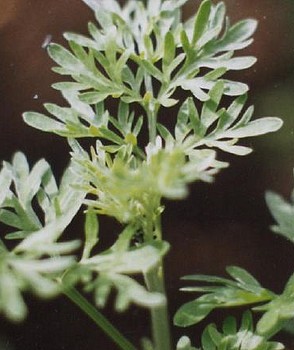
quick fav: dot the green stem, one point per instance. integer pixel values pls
(152, 121)
(98, 318)
(159, 315)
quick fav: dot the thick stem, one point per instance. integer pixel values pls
(98, 318)
(159, 315)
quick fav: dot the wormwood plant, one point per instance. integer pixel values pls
(139, 55)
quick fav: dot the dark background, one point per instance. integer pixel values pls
(220, 224)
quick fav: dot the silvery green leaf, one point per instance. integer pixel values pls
(236, 63)
(61, 113)
(33, 182)
(130, 290)
(84, 41)
(12, 303)
(93, 97)
(5, 181)
(20, 273)
(42, 122)
(70, 86)
(257, 127)
(65, 59)
(195, 89)
(168, 102)
(151, 69)
(237, 36)
(208, 113)
(59, 206)
(77, 105)
(228, 117)
(230, 147)
(41, 241)
(283, 213)
(127, 289)
(146, 258)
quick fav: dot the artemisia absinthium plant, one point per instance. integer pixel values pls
(139, 54)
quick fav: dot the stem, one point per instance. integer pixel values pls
(159, 316)
(152, 120)
(98, 318)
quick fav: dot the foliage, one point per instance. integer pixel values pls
(231, 338)
(138, 55)
(36, 262)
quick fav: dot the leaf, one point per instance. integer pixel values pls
(169, 49)
(151, 69)
(65, 59)
(131, 291)
(201, 21)
(195, 89)
(84, 41)
(191, 313)
(237, 34)
(246, 338)
(221, 293)
(236, 63)
(5, 181)
(257, 127)
(44, 123)
(242, 276)
(146, 258)
(283, 213)
(208, 115)
(93, 97)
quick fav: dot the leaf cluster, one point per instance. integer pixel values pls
(111, 269)
(38, 211)
(137, 53)
(231, 338)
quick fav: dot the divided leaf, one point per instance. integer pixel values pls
(219, 293)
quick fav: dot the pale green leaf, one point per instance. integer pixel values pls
(65, 59)
(44, 123)
(257, 127)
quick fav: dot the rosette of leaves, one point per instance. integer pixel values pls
(231, 338)
(38, 211)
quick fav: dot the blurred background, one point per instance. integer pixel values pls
(224, 223)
